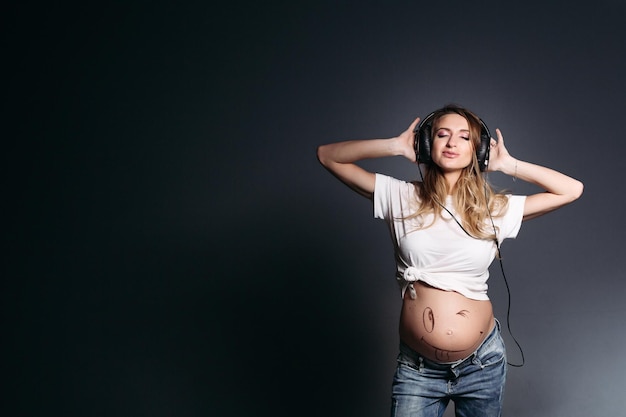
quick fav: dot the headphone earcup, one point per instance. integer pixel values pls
(423, 139)
(482, 153)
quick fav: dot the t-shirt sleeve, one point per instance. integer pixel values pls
(392, 198)
(381, 196)
(512, 220)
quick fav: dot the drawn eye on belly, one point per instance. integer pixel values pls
(463, 313)
(429, 319)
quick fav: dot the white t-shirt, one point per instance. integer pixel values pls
(442, 254)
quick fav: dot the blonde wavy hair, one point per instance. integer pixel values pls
(474, 199)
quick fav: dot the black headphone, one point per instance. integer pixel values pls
(423, 142)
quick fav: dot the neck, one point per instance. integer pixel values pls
(451, 179)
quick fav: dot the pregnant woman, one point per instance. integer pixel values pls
(446, 230)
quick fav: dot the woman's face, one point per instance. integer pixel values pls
(452, 148)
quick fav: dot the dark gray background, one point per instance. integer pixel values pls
(173, 247)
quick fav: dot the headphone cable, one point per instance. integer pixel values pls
(499, 252)
(508, 289)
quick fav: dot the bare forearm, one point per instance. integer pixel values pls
(340, 157)
(356, 150)
(550, 180)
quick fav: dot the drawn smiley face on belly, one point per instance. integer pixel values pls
(428, 318)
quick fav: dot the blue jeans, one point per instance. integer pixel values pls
(423, 388)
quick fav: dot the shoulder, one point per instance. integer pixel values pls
(393, 195)
(386, 181)
(516, 201)
(390, 186)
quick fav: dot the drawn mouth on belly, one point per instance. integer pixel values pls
(441, 354)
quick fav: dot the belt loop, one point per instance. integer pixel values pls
(421, 364)
(476, 359)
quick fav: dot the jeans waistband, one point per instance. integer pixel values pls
(417, 358)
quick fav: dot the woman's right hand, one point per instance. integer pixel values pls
(405, 142)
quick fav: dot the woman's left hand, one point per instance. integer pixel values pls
(499, 157)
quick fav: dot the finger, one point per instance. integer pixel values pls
(499, 134)
(415, 122)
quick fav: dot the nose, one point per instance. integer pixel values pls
(451, 141)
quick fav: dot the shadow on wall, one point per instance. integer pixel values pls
(296, 341)
(191, 326)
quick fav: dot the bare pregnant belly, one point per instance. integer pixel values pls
(444, 326)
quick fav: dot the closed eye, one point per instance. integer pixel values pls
(463, 313)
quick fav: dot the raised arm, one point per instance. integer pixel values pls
(559, 188)
(340, 157)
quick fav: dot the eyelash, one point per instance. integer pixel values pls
(443, 135)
